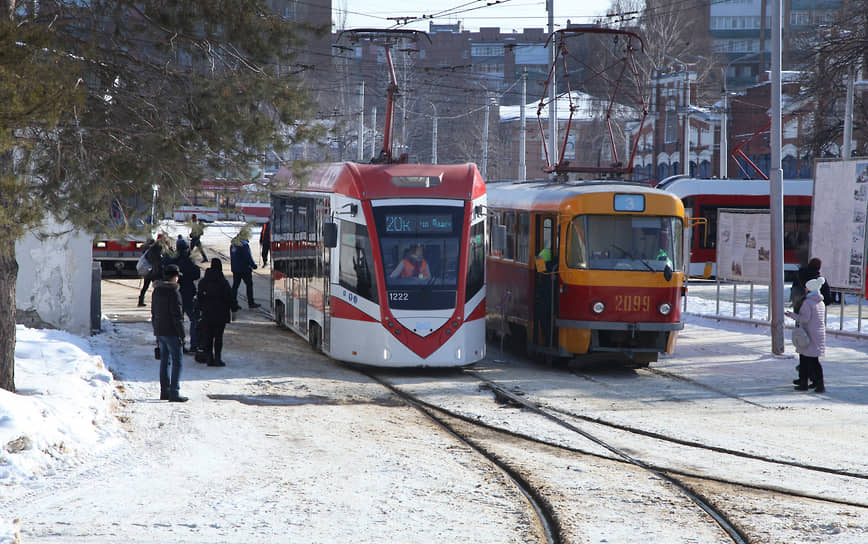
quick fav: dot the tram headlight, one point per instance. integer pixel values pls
(598, 307)
(665, 308)
(386, 354)
(101, 245)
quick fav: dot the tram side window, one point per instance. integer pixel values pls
(509, 221)
(523, 237)
(356, 261)
(577, 251)
(475, 260)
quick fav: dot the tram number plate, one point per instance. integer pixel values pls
(399, 296)
(632, 303)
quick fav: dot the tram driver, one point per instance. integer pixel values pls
(413, 265)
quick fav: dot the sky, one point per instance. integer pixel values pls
(506, 14)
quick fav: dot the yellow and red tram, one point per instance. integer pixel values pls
(585, 268)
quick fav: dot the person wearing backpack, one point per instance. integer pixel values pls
(812, 319)
(153, 252)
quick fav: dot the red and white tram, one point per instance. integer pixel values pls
(382, 264)
(703, 198)
(223, 200)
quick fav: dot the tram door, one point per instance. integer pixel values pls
(546, 280)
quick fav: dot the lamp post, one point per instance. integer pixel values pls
(434, 135)
(156, 188)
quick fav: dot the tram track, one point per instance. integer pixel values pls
(547, 516)
(547, 521)
(692, 484)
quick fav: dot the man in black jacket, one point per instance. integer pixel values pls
(168, 322)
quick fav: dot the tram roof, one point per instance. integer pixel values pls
(546, 193)
(371, 181)
(683, 186)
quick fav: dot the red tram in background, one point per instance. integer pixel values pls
(703, 198)
(225, 200)
(348, 243)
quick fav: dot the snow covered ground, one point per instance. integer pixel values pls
(64, 416)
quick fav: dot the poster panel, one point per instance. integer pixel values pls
(744, 245)
(838, 211)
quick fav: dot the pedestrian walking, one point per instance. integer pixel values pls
(812, 319)
(190, 274)
(215, 301)
(197, 229)
(154, 251)
(243, 265)
(265, 241)
(167, 320)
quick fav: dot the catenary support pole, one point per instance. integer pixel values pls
(776, 191)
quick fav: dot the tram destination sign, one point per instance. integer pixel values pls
(418, 223)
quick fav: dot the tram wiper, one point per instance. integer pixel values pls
(632, 258)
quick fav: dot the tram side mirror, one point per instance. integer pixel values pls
(498, 239)
(667, 272)
(330, 234)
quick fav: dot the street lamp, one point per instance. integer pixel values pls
(156, 188)
(434, 135)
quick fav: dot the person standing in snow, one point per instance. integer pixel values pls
(243, 266)
(190, 274)
(805, 273)
(215, 307)
(168, 322)
(812, 318)
(154, 252)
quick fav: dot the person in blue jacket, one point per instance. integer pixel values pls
(243, 265)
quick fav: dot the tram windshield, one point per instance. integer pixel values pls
(420, 246)
(625, 242)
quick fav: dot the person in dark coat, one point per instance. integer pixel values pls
(803, 275)
(243, 266)
(190, 274)
(812, 318)
(215, 307)
(154, 252)
(265, 241)
(168, 323)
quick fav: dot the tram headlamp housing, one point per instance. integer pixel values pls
(598, 307)
(665, 308)
(101, 245)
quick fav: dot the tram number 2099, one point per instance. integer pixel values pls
(632, 303)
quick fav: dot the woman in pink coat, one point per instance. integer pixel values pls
(812, 318)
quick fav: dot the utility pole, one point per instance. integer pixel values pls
(847, 149)
(522, 163)
(686, 148)
(723, 136)
(553, 93)
(374, 131)
(776, 192)
(360, 146)
(434, 136)
(485, 139)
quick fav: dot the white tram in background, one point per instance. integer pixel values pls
(339, 239)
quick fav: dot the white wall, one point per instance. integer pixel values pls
(54, 276)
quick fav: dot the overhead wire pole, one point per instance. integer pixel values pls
(776, 191)
(360, 152)
(553, 93)
(522, 163)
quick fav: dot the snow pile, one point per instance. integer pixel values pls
(62, 410)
